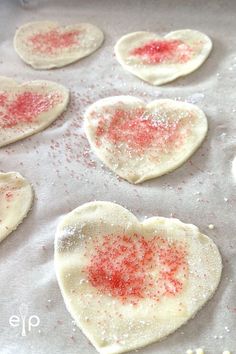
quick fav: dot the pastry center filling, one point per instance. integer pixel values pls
(51, 41)
(160, 51)
(133, 267)
(24, 107)
(140, 131)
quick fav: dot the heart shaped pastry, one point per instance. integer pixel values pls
(28, 108)
(128, 284)
(139, 141)
(46, 44)
(16, 197)
(158, 60)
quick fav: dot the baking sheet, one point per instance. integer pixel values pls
(65, 174)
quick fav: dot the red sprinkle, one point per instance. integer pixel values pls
(139, 131)
(9, 195)
(25, 108)
(122, 267)
(158, 51)
(50, 42)
(3, 98)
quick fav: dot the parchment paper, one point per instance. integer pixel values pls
(65, 174)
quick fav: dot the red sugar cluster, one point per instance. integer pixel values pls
(158, 51)
(139, 131)
(50, 42)
(9, 195)
(25, 107)
(122, 267)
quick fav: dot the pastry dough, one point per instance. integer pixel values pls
(46, 45)
(158, 60)
(16, 197)
(28, 108)
(128, 283)
(139, 141)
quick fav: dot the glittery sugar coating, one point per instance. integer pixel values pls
(125, 267)
(161, 51)
(52, 41)
(140, 130)
(25, 107)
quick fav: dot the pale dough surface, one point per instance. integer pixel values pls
(150, 163)
(129, 327)
(13, 89)
(16, 197)
(161, 73)
(90, 39)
